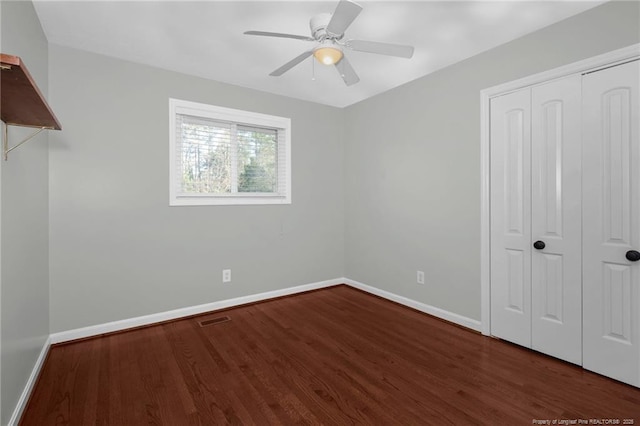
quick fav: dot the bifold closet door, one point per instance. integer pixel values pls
(611, 222)
(535, 218)
(511, 217)
(556, 210)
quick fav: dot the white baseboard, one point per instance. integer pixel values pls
(422, 307)
(110, 327)
(26, 392)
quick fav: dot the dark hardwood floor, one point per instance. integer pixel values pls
(335, 356)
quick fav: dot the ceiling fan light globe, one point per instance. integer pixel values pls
(328, 55)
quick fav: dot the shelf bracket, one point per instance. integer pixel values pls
(6, 148)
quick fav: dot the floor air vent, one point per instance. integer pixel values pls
(214, 321)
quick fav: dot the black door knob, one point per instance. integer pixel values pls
(633, 255)
(539, 245)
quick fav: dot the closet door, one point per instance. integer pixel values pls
(511, 217)
(556, 271)
(611, 222)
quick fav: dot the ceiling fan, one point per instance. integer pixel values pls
(327, 30)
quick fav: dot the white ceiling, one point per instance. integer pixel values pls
(205, 38)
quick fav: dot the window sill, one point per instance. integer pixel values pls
(230, 200)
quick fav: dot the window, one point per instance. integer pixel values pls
(228, 156)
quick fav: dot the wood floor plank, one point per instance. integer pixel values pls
(334, 356)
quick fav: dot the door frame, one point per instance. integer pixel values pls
(595, 63)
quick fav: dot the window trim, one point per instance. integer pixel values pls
(178, 106)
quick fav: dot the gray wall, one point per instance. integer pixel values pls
(24, 221)
(408, 160)
(412, 181)
(119, 251)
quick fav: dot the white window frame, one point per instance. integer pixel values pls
(283, 124)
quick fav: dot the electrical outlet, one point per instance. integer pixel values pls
(226, 275)
(420, 277)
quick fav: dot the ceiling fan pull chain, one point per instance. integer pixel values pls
(313, 70)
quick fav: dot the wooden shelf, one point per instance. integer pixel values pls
(22, 104)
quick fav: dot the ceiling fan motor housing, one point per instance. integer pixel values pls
(318, 25)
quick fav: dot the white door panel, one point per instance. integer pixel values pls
(611, 222)
(556, 282)
(511, 217)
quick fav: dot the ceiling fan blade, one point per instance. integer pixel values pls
(281, 35)
(345, 13)
(400, 50)
(347, 72)
(292, 63)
